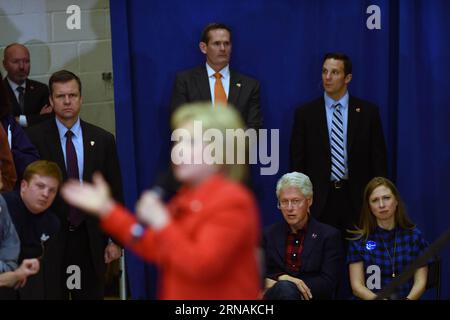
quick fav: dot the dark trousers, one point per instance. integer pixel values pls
(340, 214)
(339, 211)
(78, 255)
(283, 290)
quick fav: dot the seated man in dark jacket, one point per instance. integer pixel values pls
(35, 224)
(303, 256)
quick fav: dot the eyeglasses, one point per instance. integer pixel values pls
(294, 203)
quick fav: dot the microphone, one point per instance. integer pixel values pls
(137, 230)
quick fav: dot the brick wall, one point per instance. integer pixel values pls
(41, 26)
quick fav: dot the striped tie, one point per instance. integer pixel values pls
(337, 145)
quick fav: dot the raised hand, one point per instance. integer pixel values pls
(91, 197)
(151, 211)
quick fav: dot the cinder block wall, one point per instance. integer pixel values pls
(41, 26)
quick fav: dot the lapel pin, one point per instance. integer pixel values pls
(92, 143)
(314, 235)
(358, 109)
(238, 84)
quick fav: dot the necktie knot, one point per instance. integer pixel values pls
(217, 75)
(337, 106)
(69, 134)
(20, 89)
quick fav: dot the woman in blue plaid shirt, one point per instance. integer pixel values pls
(385, 243)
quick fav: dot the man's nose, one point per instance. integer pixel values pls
(45, 193)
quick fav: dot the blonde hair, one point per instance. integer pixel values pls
(219, 117)
(44, 168)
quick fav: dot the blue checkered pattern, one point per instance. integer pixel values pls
(410, 245)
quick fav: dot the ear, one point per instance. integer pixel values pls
(50, 100)
(23, 185)
(348, 78)
(309, 201)
(202, 47)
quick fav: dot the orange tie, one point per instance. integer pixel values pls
(219, 92)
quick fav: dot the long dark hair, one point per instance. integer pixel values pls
(5, 104)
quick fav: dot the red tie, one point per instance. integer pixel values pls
(75, 216)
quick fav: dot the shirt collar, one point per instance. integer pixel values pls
(76, 128)
(300, 232)
(329, 102)
(225, 72)
(14, 85)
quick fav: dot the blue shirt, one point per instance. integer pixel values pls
(329, 109)
(225, 72)
(378, 252)
(9, 240)
(77, 140)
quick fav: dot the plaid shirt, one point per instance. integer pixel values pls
(294, 249)
(374, 252)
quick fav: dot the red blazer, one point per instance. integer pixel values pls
(208, 251)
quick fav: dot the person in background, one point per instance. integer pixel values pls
(9, 240)
(34, 222)
(217, 83)
(29, 98)
(80, 149)
(303, 256)
(7, 168)
(384, 244)
(22, 150)
(338, 142)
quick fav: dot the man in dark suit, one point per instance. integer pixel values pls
(29, 98)
(77, 257)
(216, 81)
(303, 257)
(337, 140)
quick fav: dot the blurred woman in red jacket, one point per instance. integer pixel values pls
(205, 240)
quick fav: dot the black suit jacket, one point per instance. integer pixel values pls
(36, 96)
(193, 85)
(310, 149)
(100, 154)
(322, 256)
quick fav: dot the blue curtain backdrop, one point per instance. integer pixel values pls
(402, 67)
